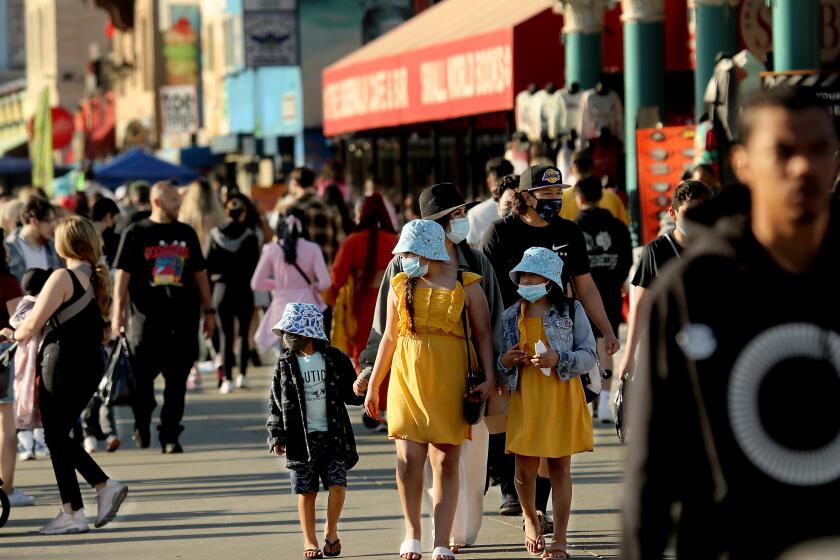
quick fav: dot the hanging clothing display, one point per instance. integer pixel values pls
(522, 111)
(572, 102)
(535, 114)
(554, 114)
(601, 111)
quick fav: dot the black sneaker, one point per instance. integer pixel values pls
(510, 507)
(142, 437)
(172, 448)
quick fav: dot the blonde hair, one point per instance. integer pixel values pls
(76, 238)
(10, 215)
(201, 210)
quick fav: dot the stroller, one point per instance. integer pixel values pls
(5, 381)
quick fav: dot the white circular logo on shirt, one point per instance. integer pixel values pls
(800, 467)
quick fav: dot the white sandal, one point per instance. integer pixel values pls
(442, 552)
(411, 546)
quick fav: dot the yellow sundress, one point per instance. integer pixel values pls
(547, 417)
(429, 368)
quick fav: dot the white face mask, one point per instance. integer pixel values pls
(458, 230)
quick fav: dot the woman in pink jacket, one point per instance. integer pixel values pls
(293, 270)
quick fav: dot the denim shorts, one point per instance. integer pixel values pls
(10, 396)
(330, 471)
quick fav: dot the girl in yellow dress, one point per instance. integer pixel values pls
(424, 347)
(548, 417)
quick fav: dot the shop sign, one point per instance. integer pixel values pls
(271, 33)
(755, 25)
(464, 77)
(179, 109)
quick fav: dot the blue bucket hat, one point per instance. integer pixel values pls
(304, 319)
(424, 238)
(542, 261)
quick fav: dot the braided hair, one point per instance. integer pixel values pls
(411, 285)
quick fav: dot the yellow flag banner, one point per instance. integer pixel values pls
(42, 149)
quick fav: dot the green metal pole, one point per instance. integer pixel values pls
(796, 35)
(583, 22)
(583, 58)
(644, 86)
(715, 31)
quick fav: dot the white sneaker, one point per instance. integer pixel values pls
(41, 449)
(66, 524)
(19, 499)
(108, 502)
(194, 381)
(26, 445)
(605, 414)
(226, 388)
(90, 444)
(241, 382)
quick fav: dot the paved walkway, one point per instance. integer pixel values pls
(226, 497)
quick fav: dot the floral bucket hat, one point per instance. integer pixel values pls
(304, 319)
(424, 238)
(542, 261)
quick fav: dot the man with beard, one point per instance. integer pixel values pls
(161, 269)
(728, 450)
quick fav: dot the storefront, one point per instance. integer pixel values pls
(433, 99)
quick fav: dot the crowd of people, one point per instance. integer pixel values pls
(470, 333)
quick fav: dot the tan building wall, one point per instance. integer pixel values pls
(135, 54)
(58, 39)
(214, 25)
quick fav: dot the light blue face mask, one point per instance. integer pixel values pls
(412, 267)
(532, 292)
(681, 226)
(459, 229)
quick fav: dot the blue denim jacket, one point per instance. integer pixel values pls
(574, 342)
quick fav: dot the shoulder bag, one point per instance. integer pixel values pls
(473, 410)
(118, 384)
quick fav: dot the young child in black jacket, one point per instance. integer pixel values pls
(308, 421)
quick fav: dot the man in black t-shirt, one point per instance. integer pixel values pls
(655, 256)
(729, 455)
(610, 258)
(536, 222)
(161, 270)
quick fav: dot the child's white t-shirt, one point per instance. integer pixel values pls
(314, 372)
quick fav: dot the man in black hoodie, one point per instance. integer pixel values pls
(727, 449)
(610, 258)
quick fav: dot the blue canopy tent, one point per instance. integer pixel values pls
(137, 165)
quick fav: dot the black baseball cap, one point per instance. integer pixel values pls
(540, 177)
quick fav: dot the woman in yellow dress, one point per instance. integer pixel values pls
(546, 351)
(425, 349)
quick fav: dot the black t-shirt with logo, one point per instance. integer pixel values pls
(506, 241)
(610, 250)
(738, 351)
(655, 256)
(162, 260)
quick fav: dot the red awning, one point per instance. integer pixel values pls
(458, 58)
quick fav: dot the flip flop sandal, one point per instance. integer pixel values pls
(442, 553)
(411, 549)
(332, 548)
(556, 555)
(312, 553)
(535, 547)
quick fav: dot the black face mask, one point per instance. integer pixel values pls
(549, 210)
(294, 342)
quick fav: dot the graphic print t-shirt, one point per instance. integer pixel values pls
(162, 260)
(314, 372)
